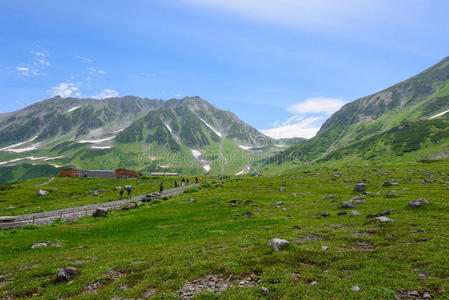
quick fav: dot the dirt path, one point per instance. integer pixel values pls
(45, 183)
(48, 217)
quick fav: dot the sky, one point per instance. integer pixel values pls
(283, 66)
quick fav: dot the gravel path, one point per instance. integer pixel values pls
(48, 217)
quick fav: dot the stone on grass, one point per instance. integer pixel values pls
(278, 244)
(355, 288)
(427, 295)
(418, 202)
(386, 183)
(360, 187)
(324, 247)
(341, 213)
(325, 214)
(347, 205)
(355, 213)
(284, 209)
(279, 203)
(384, 219)
(100, 212)
(264, 290)
(281, 189)
(42, 193)
(193, 200)
(66, 274)
(39, 245)
(392, 194)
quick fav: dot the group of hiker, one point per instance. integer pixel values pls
(128, 190)
(185, 181)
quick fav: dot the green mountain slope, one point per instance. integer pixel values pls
(189, 135)
(421, 97)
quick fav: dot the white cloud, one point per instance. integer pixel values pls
(83, 58)
(296, 126)
(316, 105)
(309, 116)
(106, 93)
(36, 64)
(65, 89)
(101, 72)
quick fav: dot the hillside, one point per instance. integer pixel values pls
(422, 97)
(216, 246)
(189, 135)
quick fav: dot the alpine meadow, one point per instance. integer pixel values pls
(224, 149)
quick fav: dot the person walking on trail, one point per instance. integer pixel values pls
(196, 180)
(187, 181)
(176, 183)
(161, 188)
(201, 180)
(128, 189)
(183, 181)
(121, 194)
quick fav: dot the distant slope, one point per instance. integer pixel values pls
(189, 135)
(418, 98)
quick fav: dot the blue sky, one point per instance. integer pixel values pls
(282, 66)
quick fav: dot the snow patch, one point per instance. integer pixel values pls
(43, 158)
(196, 153)
(168, 127)
(211, 128)
(206, 168)
(26, 149)
(56, 166)
(120, 130)
(73, 108)
(18, 144)
(244, 171)
(101, 147)
(11, 161)
(97, 141)
(52, 158)
(244, 147)
(438, 115)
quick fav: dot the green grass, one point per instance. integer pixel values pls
(150, 246)
(71, 192)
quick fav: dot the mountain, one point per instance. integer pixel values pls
(382, 115)
(189, 135)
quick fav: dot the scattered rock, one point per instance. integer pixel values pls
(67, 274)
(355, 213)
(278, 244)
(324, 248)
(341, 213)
(57, 245)
(42, 193)
(248, 214)
(128, 206)
(294, 195)
(284, 209)
(418, 202)
(279, 203)
(392, 194)
(360, 187)
(426, 295)
(39, 245)
(100, 212)
(150, 293)
(219, 185)
(193, 200)
(347, 205)
(355, 288)
(384, 219)
(325, 214)
(281, 189)
(385, 213)
(264, 290)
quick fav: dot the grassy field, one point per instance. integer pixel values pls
(161, 247)
(70, 192)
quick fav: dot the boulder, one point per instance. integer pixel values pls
(325, 214)
(418, 202)
(347, 205)
(264, 290)
(386, 183)
(100, 212)
(384, 219)
(355, 213)
(360, 187)
(279, 203)
(67, 274)
(42, 193)
(39, 245)
(278, 244)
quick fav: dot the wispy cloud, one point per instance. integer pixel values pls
(36, 64)
(309, 116)
(316, 105)
(66, 89)
(106, 93)
(93, 71)
(86, 59)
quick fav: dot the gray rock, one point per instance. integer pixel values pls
(392, 194)
(264, 290)
(384, 219)
(284, 209)
(281, 189)
(39, 245)
(341, 213)
(418, 202)
(67, 274)
(355, 213)
(386, 183)
(57, 245)
(248, 214)
(426, 295)
(118, 187)
(360, 187)
(325, 214)
(324, 248)
(278, 244)
(193, 200)
(413, 293)
(294, 195)
(355, 288)
(347, 205)
(42, 193)
(100, 212)
(279, 203)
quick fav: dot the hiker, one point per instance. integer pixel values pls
(161, 188)
(196, 180)
(201, 180)
(121, 194)
(187, 181)
(183, 181)
(128, 189)
(176, 183)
